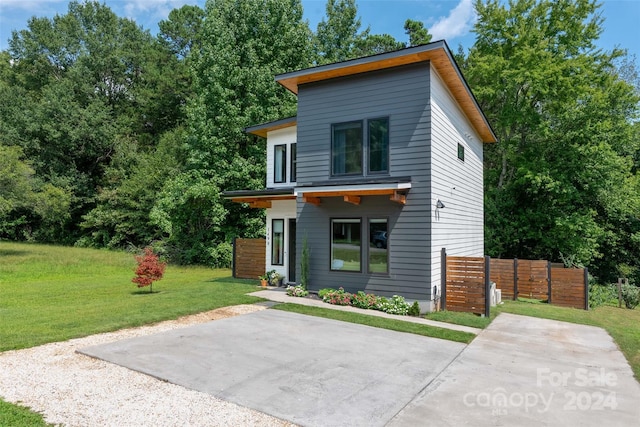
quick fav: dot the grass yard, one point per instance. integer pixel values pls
(53, 293)
(379, 322)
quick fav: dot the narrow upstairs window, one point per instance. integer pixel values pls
(280, 163)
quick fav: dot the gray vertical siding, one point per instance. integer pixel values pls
(403, 95)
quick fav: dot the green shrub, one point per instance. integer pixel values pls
(630, 296)
(297, 291)
(414, 310)
(339, 297)
(395, 305)
(221, 255)
(325, 291)
(362, 300)
(602, 295)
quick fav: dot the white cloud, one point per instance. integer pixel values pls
(458, 23)
(32, 6)
(157, 8)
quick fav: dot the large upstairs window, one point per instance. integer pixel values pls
(349, 152)
(346, 149)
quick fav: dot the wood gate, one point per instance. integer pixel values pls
(466, 284)
(533, 279)
(249, 258)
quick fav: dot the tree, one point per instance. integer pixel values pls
(244, 44)
(417, 33)
(149, 269)
(336, 37)
(559, 182)
(81, 89)
(182, 30)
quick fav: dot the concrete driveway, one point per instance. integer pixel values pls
(320, 372)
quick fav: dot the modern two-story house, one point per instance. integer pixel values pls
(380, 170)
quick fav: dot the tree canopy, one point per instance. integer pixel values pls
(112, 137)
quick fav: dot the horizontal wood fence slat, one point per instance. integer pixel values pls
(249, 258)
(465, 287)
(465, 284)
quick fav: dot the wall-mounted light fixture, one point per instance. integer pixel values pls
(439, 204)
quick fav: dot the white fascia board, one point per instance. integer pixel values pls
(362, 187)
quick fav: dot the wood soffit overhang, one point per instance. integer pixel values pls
(261, 201)
(354, 196)
(437, 53)
(315, 197)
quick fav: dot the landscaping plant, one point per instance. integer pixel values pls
(297, 291)
(149, 269)
(630, 296)
(414, 310)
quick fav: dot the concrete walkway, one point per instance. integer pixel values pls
(525, 371)
(280, 295)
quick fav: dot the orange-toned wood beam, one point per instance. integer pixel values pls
(398, 198)
(260, 204)
(355, 200)
(359, 193)
(312, 200)
(262, 199)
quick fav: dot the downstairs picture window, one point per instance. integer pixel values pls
(346, 253)
(378, 252)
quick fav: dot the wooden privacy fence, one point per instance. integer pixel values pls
(541, 280)
(249, 258)
(466, 283)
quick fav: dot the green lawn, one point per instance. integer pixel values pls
(379, 322)
(53, 293)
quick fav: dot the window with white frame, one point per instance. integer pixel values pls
(280, 163)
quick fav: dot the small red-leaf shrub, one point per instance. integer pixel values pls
(339, 297)
(149, 269)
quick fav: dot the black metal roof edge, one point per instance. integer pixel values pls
(267, 125)
(264, 192)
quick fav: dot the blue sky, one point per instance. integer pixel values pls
(449, 19)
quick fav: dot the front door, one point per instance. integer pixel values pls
(292, 250)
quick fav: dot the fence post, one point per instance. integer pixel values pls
(487, 286)
(233, 258)
(620, 279)
(443, 278)
(515, 279)
(548, 282)
(586, 288)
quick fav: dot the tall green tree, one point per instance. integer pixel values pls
(417, 33)
(244, 44)
(338, 36)
(559, 181)
(90, 84)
